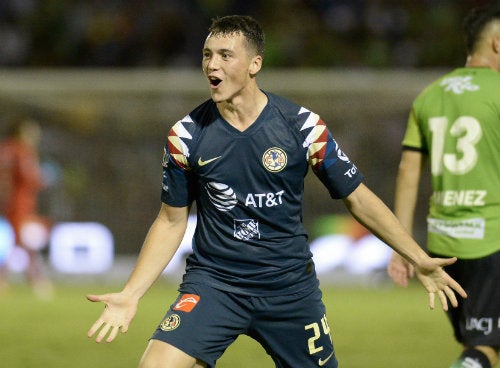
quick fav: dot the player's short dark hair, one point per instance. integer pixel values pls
(476, 21)
(244, 24)
(17, 123)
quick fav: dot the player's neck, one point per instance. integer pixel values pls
(479, 60)
(242, 111)
(486, 52)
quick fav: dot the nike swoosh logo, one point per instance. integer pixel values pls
(323, 362)
(203, 163)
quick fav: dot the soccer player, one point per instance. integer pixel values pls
(242, 156)
(20, 182)
(455, 122)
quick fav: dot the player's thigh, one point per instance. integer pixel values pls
(203, 321)
(295, 331)
(159, 354)
(475, 321)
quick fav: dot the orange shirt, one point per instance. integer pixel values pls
(20, 181)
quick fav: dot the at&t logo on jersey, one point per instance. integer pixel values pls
(341, 155)
(274, 159)
(221, 195)
(260, 200)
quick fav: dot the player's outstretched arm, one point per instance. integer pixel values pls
(371, 212)
(162, 241)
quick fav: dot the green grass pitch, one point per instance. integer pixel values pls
(376, 327)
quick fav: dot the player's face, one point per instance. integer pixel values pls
(228, 66)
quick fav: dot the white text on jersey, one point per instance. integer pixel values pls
(260, 200)
(460, 198)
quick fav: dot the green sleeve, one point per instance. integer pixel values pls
(413, 137)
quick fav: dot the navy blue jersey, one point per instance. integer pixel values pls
(248, 187)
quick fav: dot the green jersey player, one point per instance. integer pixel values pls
(455, 122)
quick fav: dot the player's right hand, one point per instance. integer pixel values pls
(119, 310)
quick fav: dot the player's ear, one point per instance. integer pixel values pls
(496, 44)
(255, 65)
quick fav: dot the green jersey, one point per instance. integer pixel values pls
(456, 120)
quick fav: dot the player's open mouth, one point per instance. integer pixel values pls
(214, 82)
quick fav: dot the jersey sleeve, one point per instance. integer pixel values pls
(178, 181)
(330, 164)
(413, 138)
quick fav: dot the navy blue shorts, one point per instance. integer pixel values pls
(293, 329)
(476, 320)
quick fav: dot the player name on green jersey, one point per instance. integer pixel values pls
(468, 198)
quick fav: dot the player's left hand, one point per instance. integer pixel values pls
(436, 281)
(118, 312)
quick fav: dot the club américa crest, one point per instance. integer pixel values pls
(171, 322)
(274, 159)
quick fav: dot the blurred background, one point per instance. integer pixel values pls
(106, 79)
(170, 33)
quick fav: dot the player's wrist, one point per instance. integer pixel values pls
(133, 293)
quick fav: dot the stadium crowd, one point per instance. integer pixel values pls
(157, 33)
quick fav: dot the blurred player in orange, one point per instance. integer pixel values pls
(20, 183)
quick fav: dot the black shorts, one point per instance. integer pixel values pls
(476, 320)
(293, 329)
